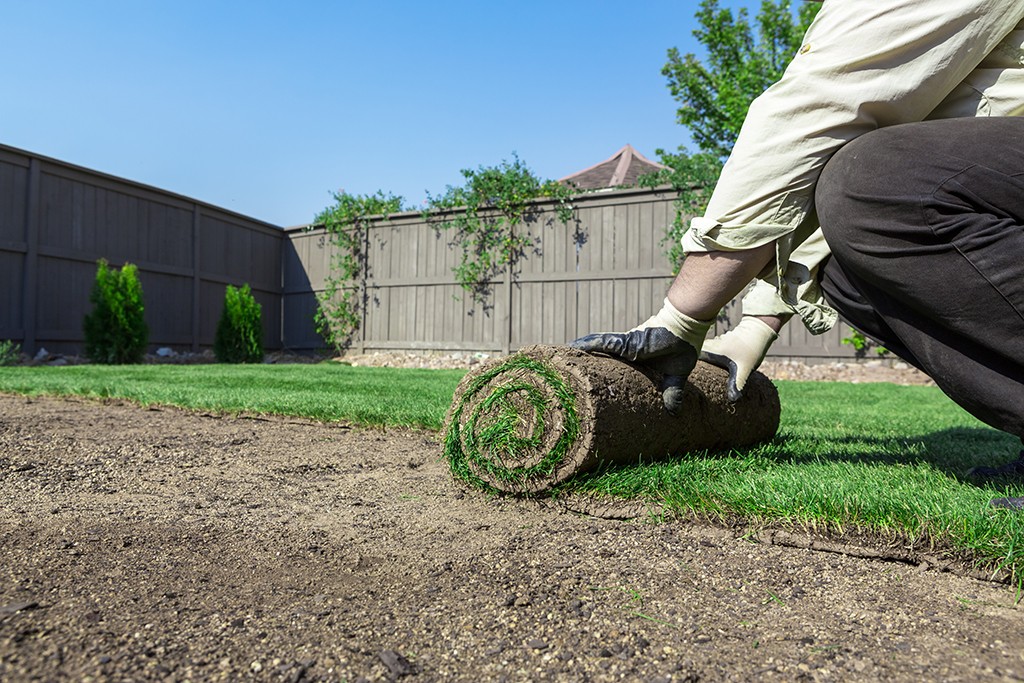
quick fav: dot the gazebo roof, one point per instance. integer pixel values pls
(622, 169)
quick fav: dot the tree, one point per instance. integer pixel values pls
(741, 62)
(715, 94)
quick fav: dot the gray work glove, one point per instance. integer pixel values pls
(667, 342)
(740, 351)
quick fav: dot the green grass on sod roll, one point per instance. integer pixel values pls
(498, 447)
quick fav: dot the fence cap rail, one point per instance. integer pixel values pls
(52, 163)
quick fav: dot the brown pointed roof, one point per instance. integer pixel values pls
(622, 169)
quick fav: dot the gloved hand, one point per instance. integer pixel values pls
(667, 342)
(740, 351)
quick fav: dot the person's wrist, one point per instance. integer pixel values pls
(758, 330)
(683, 326)
(775, 322)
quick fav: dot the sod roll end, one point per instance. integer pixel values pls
(527, 422)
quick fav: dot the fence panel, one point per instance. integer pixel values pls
(605, 270)
(57, 220)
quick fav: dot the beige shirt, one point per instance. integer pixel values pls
(864, 64)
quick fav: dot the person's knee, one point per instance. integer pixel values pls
(849, 181)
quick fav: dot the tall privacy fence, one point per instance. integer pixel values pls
(57, 220)
(605, 270)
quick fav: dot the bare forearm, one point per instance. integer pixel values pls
(708, 281)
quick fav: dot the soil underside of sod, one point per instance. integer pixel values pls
(162, 544)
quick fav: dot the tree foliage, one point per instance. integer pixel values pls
(715, 92)
(483, 217)
(741, 61)
(115, 330)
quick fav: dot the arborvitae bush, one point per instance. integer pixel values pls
(10, 353)
(115, 331)
(239, 337)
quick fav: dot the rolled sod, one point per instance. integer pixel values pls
(532, 420)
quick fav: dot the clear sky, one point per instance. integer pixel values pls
(265, 108)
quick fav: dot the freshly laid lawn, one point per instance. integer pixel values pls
(327, 391)
(877, 457)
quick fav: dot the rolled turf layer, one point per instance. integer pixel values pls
(528, 422)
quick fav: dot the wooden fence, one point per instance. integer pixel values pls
(57, 220)
(606, 270)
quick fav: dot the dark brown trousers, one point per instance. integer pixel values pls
(926, 226)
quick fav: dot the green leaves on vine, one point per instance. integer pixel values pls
(714, 93)
(483, 219)
(692, 177)
(343, 299)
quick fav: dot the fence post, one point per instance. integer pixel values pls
(506, 342)
(364, 302)
(196, 280)
(31, 272)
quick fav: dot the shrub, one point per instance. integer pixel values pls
(861, 344)
(10, 353)
(239, 337)
(115, 331)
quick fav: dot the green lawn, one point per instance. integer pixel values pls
(327, 391)
(877, 457)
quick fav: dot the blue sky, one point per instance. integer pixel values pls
(265, 108)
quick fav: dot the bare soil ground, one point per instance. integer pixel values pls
(166, 545)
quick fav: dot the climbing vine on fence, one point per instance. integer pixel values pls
(339, 314)
(482, 217)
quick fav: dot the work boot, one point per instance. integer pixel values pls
(1011, 470)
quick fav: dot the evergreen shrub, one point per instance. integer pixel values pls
(239, 337)
(115, 331)
(10, 353)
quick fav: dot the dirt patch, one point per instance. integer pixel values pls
(166, 545)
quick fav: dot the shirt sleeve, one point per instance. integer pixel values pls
(863, 65)
(800, 278)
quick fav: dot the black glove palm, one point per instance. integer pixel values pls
(668, 343)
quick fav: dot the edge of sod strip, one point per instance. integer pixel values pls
(487, 444)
